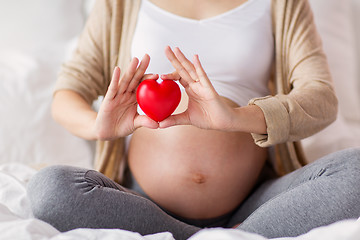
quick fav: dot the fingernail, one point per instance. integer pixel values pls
(135, 59)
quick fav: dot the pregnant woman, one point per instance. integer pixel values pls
(254, 80)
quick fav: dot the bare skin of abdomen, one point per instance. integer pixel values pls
(195, 173)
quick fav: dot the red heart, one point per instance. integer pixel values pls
(158, 100)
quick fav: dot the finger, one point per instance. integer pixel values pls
(150, 76)
(125, 80)
(185, 76)
(140, 71)
(113, 87)
(177, 119)
(203, 78)
(174, 76)
(186, 63)
(145, 121)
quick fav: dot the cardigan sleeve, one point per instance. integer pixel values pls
(305, 101)
(84, 73)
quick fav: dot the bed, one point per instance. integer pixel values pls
(38, 35)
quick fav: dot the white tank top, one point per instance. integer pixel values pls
(236, 48)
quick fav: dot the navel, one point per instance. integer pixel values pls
(199, 178)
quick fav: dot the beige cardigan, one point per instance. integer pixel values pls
(302, 102)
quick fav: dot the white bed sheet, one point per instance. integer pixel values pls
(17, 222)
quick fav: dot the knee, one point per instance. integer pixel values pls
(348, 179)
(341, 166)
(49, 190)
(43, 187)
(344, 168)
(349, 159)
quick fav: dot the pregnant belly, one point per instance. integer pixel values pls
(195, 173)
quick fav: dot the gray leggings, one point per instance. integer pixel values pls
(318, 194)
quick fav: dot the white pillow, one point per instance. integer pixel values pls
(27, 25)
(88, 5)
(356, 21)
(35, 36)
(336, 26)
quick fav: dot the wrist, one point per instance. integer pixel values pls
(92, 127)
(249, 119)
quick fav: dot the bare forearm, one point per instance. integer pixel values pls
(71, 111)
(250, 119)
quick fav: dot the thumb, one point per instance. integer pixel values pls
(170, 76)
(145, 121)
(177, 119)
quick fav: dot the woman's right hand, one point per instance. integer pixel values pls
(117, 116)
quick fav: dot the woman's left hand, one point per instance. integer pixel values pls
(206, 109)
